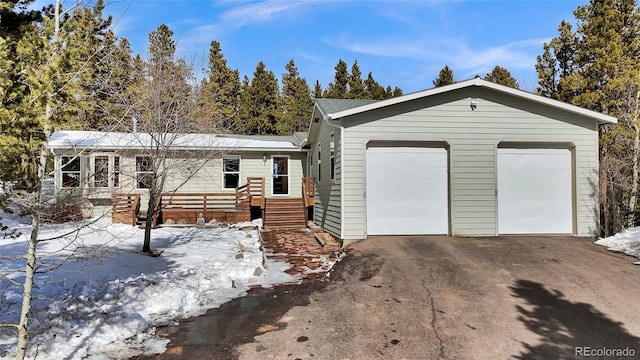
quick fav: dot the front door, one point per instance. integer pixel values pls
(280, 175)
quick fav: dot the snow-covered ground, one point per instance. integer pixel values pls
(102, 299)
(626, 241)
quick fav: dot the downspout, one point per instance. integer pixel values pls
(327, 119)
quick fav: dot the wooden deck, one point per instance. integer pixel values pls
(187, 208)
(125, 208)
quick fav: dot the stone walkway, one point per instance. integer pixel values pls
(307, 256)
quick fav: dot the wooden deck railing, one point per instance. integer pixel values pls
(226, 206)
(188, 207)
(255, 188)
(308, 191)
(125, 208)
(204, 201)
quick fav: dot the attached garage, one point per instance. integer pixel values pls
(535, 191)
(472, 158)
(407, 190)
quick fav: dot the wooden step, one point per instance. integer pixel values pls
(284, 213)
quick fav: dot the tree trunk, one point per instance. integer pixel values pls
(633, 198)
(151, 212)
(27, 287)
(23, 332)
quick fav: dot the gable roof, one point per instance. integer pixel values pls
(98, 140)
(335, 112)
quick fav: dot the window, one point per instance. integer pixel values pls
(311, 163)
(144, 172)
(332, 156)
(319, 163)
(101, 171)
(106, 170)
(70, 171)
(116, 171)
(230, 172)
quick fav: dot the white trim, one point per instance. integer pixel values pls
(310, 163)
(141, 172)
(332, 156)
(62, 171)
(319, 162)
(602, 118)
(288, 175)
(342, 172)
(231, 157)
(110, 170)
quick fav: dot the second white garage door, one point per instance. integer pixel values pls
(534, 191)
(407, 191)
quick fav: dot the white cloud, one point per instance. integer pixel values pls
(463, 58)
(263, 12)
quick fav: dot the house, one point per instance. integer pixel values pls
(472, 159)
(94, 165)
(469, 159)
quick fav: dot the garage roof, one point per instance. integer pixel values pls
(332, 110)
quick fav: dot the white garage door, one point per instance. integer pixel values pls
(534, 191)
(407, 191)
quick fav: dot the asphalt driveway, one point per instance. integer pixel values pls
(462, 298)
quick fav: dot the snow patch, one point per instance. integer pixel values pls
(626, 242)
(105, 300)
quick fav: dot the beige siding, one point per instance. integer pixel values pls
(253, 166)
(327, 203)
(194, 175)
(472, 136)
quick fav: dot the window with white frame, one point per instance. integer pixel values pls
(230, 171)
(332, 156)
(144, 171)
(70, 171)
(319, 162)
(116, 171)
(101, 171)
(310, 163)
(106, 170)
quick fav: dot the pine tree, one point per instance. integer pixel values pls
(118, 76)
(166, 93)
(445, 77)
(356, 84)
(85, 39)
(546, 67)
(297, 101)
(373, 90)
(340, 86)
(556, 62)
(502, 76)
(596, 67)
(260, 109)
(219, 93)
(317, 90)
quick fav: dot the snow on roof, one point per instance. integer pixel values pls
(65, 139)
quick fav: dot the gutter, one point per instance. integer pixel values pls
(114, 148)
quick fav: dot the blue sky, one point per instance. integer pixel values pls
(404, 43)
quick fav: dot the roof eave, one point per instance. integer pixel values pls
(601, 118)
(180, 148)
